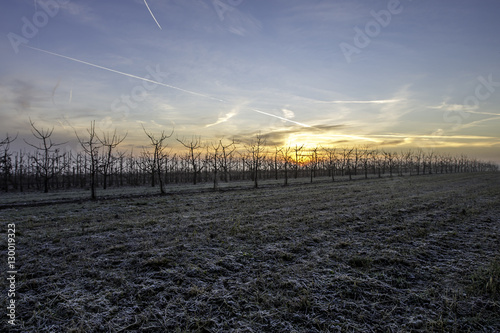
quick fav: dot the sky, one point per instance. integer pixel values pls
(387, 74)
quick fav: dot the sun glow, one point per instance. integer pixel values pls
(311, 140)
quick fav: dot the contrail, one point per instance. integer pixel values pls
(275, 116)
(154, 18)
(126, 74)
(159, 83)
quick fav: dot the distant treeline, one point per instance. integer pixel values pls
(101, 164)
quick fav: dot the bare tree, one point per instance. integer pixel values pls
(158, 154)
(256, 151)
(332, 161)
(356, 160)
(121, 163)
(19, 170)
(148, 165)
(5, 160)
(314, 162)
(365, 158)
(194, 155)
(389, 158)
(226, 155)
(287, 160)
(90, 145)
(346, 161)
(277, 151)
(429, 158)
(408, 156)
(399, 157)
(297, 150)
(378, 162)
(214, 159)
(419, 154)
(49, 164)
(108, 142)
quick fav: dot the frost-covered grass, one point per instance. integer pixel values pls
(56, 195)
(30, 197)
(401, 254)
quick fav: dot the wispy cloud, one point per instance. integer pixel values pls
(460, 107)
(240, 23)
(288, 114)
(452, 107)
(478, 122)
(19, 95)
(225, 117)
(485, 113)
(383, 101)
(427, 136)
(281, 136)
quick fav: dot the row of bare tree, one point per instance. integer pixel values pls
(100, 163)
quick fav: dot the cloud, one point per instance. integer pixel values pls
(19, 95)
(478, 122)
(392, 142)
(225, 117)
(240, 23)
(452, 107)
(281, 136)
(383, 101)
(437, 134)
(460, 107)
(485, 113)
(288, 114)
(80, 12)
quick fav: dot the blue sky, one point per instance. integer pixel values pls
(422, 74)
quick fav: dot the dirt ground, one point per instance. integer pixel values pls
(401, 254)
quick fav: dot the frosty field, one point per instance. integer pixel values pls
(401, 254)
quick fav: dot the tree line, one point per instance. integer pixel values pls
(100, 163)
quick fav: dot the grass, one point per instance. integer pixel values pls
(396, 255)
(486, 280)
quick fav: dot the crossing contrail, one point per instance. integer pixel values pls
(154, 18)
